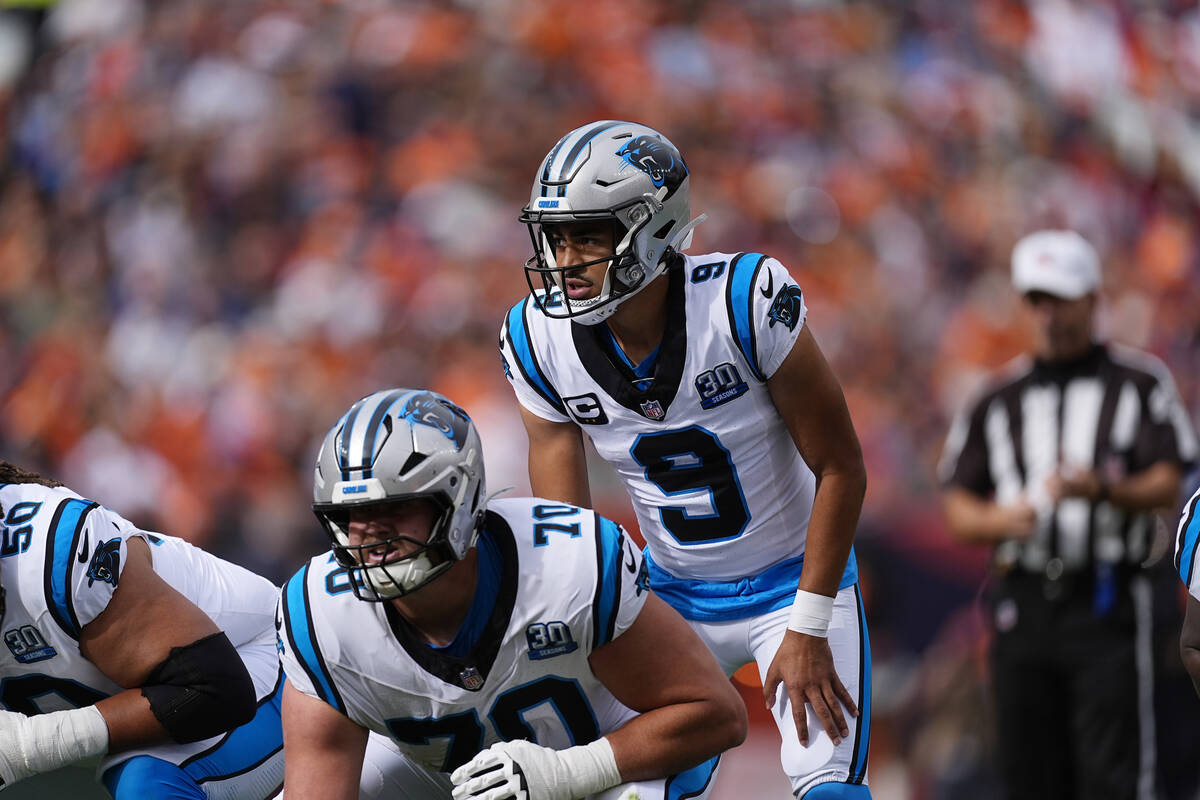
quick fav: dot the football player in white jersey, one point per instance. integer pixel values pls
(697, 378)
(1187, 545)
(509, 648)
(133, 648)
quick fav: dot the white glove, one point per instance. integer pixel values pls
(521, 770)
(32, 745)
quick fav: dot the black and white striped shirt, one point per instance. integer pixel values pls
(1115, 410)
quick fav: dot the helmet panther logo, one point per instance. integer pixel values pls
(658, 159)
(427, 409)
(786, 307)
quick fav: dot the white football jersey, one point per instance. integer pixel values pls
(1187, 542)
(718, 486)
(567, 581)
(61, 560)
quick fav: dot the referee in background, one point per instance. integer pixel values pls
(1058, 465)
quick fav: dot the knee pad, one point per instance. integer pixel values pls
(835, 790)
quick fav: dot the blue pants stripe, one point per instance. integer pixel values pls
(238, 752)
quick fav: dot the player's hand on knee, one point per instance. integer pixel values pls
(521, 770)
(506, 770)
(804, 665)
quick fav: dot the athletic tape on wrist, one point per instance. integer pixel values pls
(592, 767)
(64, 737)
(811, 614)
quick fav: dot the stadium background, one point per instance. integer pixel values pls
(220, 223)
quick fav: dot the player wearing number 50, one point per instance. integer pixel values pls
(508, 648)
(698, 379)
(131, 647)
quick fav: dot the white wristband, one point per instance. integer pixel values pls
(592, 767)
(811, 614)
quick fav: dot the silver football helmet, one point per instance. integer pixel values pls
(619, 171)
(392, 446)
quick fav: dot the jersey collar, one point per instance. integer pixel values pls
(619, 380)
(470, 671)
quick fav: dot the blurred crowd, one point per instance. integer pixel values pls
(221, 223)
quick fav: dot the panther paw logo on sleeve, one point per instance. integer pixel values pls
(106, 562)
(786, 308)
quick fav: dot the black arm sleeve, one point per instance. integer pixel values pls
(201, 690)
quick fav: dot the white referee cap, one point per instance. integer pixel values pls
(1061, 263)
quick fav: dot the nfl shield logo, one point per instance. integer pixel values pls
(653, 409)
(471, 679)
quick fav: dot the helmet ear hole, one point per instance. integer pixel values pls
(665, 230)
(411, 463)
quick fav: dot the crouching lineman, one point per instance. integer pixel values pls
(131, 646)
(510, 648)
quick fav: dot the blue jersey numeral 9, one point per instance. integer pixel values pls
(693, 460)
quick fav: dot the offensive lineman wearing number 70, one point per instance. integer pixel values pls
(513, 651)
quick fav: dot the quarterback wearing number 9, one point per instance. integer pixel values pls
(698, 379)
(505, 649)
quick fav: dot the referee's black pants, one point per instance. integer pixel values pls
(1074, 699)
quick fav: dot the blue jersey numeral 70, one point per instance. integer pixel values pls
(465, 734)
(20, 692)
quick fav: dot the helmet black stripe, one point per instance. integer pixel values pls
(373, 428)
(583, 142)
(344, 449)
(550, 160)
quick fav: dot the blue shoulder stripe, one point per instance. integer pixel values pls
(739, 302)
(1189, 537)
(608, 581)
(61, 544)
(297, 617)
(518, 339)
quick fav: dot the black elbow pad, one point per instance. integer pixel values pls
(201, 690)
